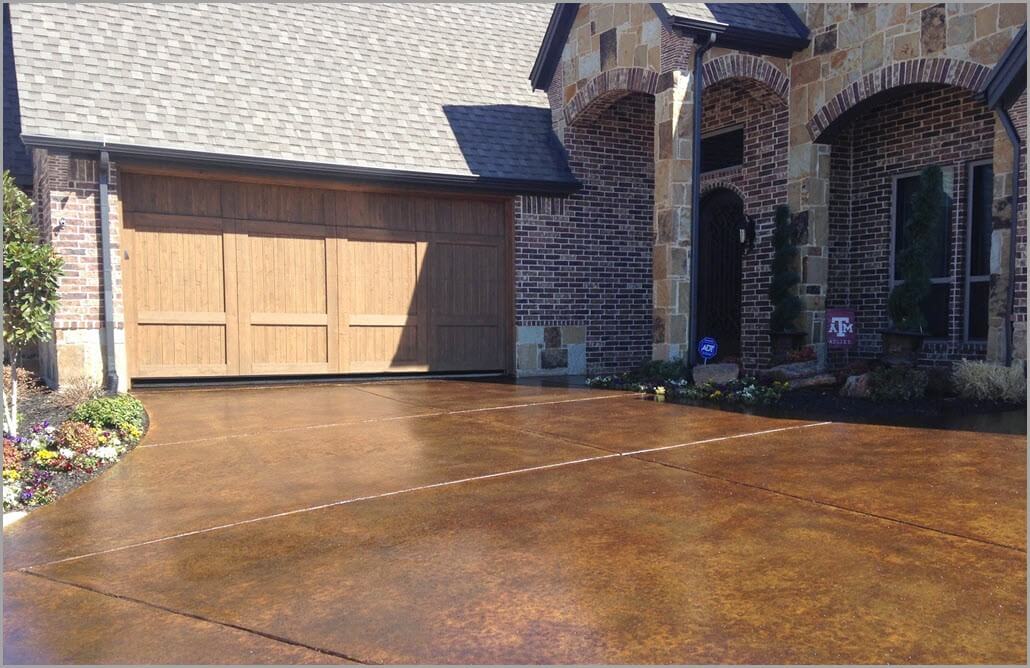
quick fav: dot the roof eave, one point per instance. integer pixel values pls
(1007, 80)
(344, 173)
(547, 58)
(743, 39)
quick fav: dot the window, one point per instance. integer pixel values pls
(935, 306)
(722, 149)
(978, 253)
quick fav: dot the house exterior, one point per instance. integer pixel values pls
(259, 190)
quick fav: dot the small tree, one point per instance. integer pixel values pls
(31, 273)
(921, 234)
(786, 304)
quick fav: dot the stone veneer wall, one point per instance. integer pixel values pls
(585, 261)
(761, 181)
(66, 189)
(945, 127)
(859, 49)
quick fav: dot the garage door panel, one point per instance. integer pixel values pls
(285, 299)
(287, 280)
(179, 298)
(201, 349)
(382, 305)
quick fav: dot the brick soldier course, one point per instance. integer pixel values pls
(835, 101)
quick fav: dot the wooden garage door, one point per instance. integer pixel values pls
(225, 278)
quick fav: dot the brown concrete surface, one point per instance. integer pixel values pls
(459, 521)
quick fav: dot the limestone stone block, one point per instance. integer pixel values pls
(792, 371)
(1011, 14)
(530, 335)
(856, 387)
(527, 357)
(961, 30)
(554, 358)
(573, 334)
(905, 46)
(820, 380)
(988, 50)
(986, 20)
(933, 30)
(872, 53)
(577, 359)
(552, 337)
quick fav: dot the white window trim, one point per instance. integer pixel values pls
(948, 183)
(969, 279)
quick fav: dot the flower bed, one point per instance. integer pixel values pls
(48, 460)
(669, 380)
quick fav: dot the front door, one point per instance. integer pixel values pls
(719, 270)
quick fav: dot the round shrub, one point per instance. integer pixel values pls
(77, 436)
(122, 413)
(898, 383)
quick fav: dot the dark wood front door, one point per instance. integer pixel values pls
(719, 270)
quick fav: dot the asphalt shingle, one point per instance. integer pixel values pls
(434, 88)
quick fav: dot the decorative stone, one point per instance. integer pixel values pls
(906, 46)
(552, 337)
(856, 387)
(718, 374)
(872, 53)
(528, 357)
(819, 380)
(792, 371)
(933, 30)
(825, 42)
(554, 358)
(609, 49)
(960, 30)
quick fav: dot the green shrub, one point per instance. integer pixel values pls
(899, 383)
(122, 413)
(785, 278)
(990, 382)
(77, 436)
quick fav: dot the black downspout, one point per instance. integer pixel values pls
(1010, 305)
(695, 194)
(110, 371)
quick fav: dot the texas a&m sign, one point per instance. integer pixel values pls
(840, 327)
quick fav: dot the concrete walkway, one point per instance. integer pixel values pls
(482, 522)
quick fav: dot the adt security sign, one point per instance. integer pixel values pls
(707, 348)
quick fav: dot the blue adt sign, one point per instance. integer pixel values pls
(707, 348)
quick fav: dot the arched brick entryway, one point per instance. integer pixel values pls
(607, 87)
(742, 66)
(945, 71)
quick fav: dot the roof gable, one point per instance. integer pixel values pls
(760, 28)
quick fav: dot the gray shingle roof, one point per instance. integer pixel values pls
(761, 16)
(437, 88)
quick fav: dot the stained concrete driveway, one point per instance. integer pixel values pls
(457, 521)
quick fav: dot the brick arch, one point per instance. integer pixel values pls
(708, 187)
(606, 88)
(944, 71)
(743, 66)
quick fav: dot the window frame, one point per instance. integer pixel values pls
(968, 278)
(948, 182)
(726, 129)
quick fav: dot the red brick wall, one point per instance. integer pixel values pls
(586, 260)
(922, 127)
(762, 182)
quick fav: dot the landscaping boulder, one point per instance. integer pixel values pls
(717, 374)
(818, 380)
(791, 372)
(856, 387)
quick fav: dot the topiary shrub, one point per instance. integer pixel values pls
(77, 436)
(898, 383)
(904, 304)
(122, 413)
(983, 381)
(786, 304)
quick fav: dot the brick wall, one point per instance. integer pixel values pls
(66, 190)
(761, 180)
(587, 260)
(945, 127)
(1019, 119)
